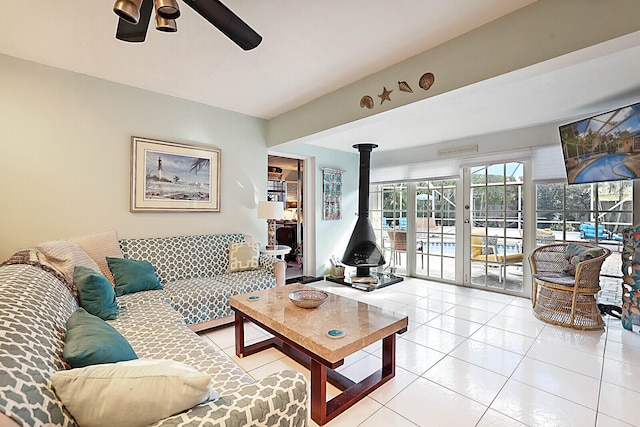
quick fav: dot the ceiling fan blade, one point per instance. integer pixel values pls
(136, 33)
(227, 22)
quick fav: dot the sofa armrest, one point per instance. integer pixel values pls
(276, 266)
(279, 399)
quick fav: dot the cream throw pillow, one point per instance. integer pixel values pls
(243, 256)
(133, 393)
(99, 246)
(65, 255)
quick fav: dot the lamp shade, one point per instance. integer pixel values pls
(270, 210)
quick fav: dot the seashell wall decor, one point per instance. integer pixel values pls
(425, 82)
(366, 102)
(404, 87)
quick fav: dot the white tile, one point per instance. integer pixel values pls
(495, 296)
(428, 404)
(503, 339)
(394, 294)
(607, 421)
(622, 353)
(470, 314)
(619, 403)
(255, 360)
(486, 356)
(622, 374)
(434, 305)
(353, 416)
(387, 418)
(520, 326)
(434, 338)
(618, 334)
(524, 313)
(535, 407)
(574, 360)
(395, 385)
(469, 380)
(452, 298)
(521, 302)
(589, 341)
(494, 418)
(362, 368)
(483, 304)
(414, 357)
(567, 384)
(353, 358)
(455, 325)
(417, 314)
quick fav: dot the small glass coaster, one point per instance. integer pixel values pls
(254, 297)
(335, 333)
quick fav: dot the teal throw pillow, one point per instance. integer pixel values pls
(92, 341)
(95, 293)
(132, 275)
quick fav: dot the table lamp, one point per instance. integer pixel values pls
(271, 211)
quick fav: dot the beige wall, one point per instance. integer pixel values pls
(65, 157)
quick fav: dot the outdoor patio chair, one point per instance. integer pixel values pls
(630, 275)
(485, 249)
(566, 278)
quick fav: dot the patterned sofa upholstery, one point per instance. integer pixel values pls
(193, 271)
(34, 308)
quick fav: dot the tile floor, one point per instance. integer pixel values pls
(475, 358)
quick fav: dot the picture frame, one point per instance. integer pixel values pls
(173, 177)
(331, 194)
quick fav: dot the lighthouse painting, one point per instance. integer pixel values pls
(175, 176)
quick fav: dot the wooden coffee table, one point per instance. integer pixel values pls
(302, 334)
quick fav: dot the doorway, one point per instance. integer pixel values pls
(285, 184)
(494, 215)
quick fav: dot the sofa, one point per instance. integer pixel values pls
(37, 303)
(194, 272)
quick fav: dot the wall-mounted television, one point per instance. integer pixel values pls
(605, 147)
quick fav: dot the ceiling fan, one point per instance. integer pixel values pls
(135, 16)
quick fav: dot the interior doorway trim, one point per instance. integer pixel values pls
(309, 208)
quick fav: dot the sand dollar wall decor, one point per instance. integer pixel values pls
(425, 82)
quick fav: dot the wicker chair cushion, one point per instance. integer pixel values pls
(557, 278)
(576, 254)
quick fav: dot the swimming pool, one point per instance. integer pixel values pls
(449, 248)
(605, 168)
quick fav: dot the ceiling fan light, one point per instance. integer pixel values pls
(129, 10)
(166, 25)
(167, 9)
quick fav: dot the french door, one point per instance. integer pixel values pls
(494, 226)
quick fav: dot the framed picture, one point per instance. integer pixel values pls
(332, 194)
(168, 176)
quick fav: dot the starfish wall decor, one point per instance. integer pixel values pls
(425, 82)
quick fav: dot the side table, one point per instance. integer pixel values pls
(280, 251)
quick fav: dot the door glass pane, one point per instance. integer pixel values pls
(497, 223)
(435, 229)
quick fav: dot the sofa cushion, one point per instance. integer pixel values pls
(132, 275)
(243, 256)
(95, 293)
(65, 255)
(575, 254)
(99, 246)
(133, 393)
(91, 341)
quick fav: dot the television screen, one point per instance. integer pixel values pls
(604, 147)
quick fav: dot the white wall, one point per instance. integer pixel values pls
(65, 158)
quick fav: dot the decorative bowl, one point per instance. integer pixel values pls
(308, 298)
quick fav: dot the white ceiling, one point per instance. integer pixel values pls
(311, 48)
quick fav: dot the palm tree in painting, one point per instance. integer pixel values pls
(198, 164)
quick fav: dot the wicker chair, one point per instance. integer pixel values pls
(630, 275)
(561, 298)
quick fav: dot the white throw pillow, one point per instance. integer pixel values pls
(132, 393)
(65, 255)
(243, 256)
(99, 246)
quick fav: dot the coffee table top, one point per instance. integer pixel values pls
(362, 324)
